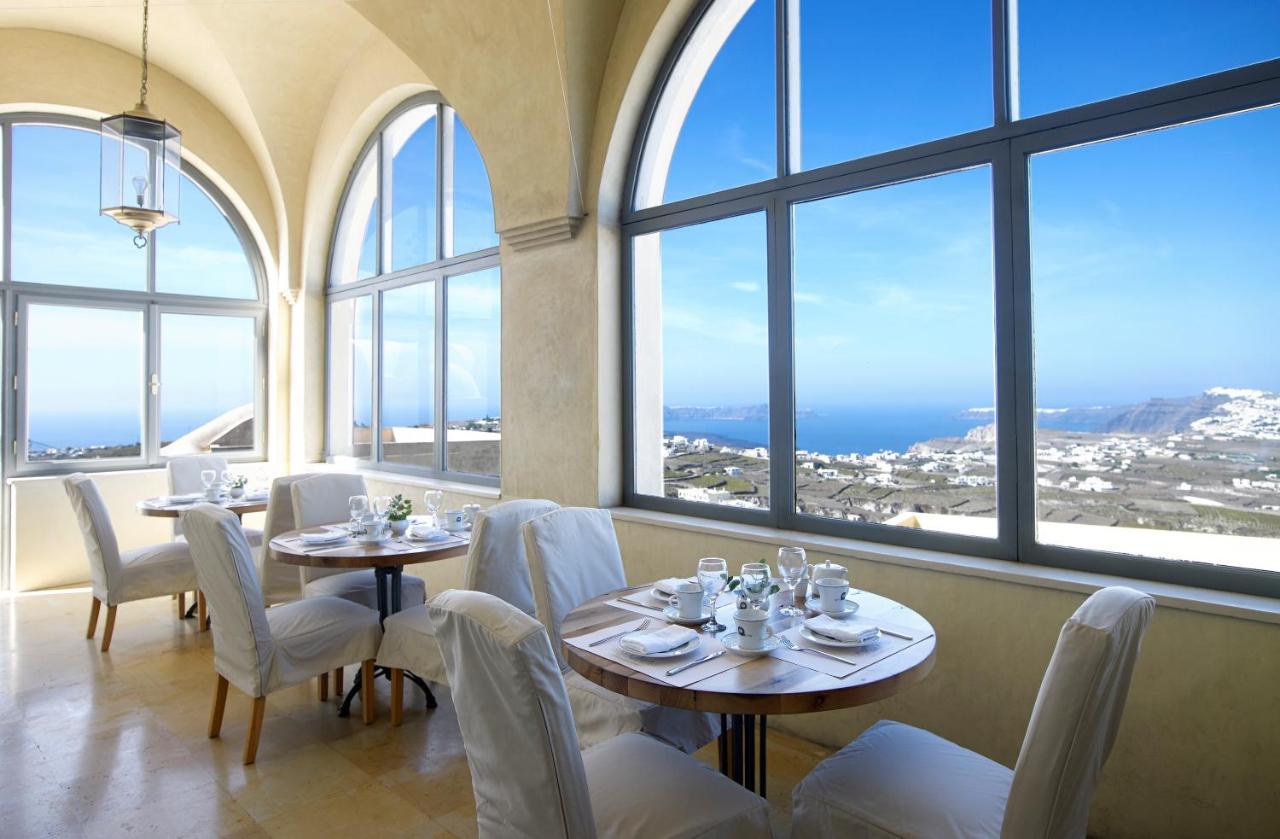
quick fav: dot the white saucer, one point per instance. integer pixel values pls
(673, 615)
(849, 608)
(731, 641)
(809, 635)
(683, 649)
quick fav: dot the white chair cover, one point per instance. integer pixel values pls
(323, 499)
(149, 571)
(261, 652)
(574, 556)
(527, 773)
(496, 564)
(896, 780)
(184, 479)
(280, 582)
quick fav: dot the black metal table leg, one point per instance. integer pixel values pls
(388, 604)
(724, 746)
(764, 739)
(395, 588)
(750, 775)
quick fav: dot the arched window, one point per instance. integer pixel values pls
(122, 356)
(414, 303)
(989, 278)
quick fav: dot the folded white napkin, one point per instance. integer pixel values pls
(189, 498)
(322, 535)
(257, 495)
(668, 585)
(849, 629)
(427, 532)
(659, 641)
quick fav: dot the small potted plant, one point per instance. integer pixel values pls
(398, 513)
(238, 483)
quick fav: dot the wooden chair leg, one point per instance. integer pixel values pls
(366, 690)
(397, 695)
(219, 705)
(182, 604)
(255, 730)
(109, 629)
(323, 679)
(337, 682)
(202, 613)
(93, 617)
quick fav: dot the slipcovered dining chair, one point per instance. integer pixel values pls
(280, 582)
(496, 565)
(322, 499)
(897, 780)
(122, 576)
(184, 479)
(529, 777)
(574, 556)
(262, 650)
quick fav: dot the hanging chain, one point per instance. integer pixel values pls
(146, 15)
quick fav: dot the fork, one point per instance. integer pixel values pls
(644, 624)
(794, 647)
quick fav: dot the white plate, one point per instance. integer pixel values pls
(850, 607)
(321, 537)
(672, 614)
(683, 649)
(732, 643)
(809, 635)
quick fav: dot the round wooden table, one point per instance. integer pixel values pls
(156, 507)
(758, 687)
(387, 559)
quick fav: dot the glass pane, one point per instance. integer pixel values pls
(58, 235)
(355, 249)
(1155, 289)
(409, 146)
(475, 372)
(1085, 51)
(879, 76)
(206, 383)
(84, 382)
(702, 363)
(895, 355)
(203, 254)
(472, 200)
(715, 126)
(351, 377)
(408, 375)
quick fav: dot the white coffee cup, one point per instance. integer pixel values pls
(687, 600)
(375, 530)
(827, 569)
(453, 519)
(832, 592)
(213, 493)
(469, 512)
(753, 630)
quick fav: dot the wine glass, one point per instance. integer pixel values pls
(433, 498)
(381, 506)
(755, 583)
(713, 576)
(227, 477)
(359, 506)
(791, 565)
(207, 477)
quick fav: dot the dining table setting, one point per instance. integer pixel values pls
(749, 646)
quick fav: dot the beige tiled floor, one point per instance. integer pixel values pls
(110, 745)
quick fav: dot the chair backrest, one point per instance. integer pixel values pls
(1076, 715)
(496, 562)
(100, 544)
(573, 556)
(279, 519)
(322, 499)
(517, 726)
(242, 645)
(184, 476)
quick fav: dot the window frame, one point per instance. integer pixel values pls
(17, 296)
(1006, 146)
(438, 271)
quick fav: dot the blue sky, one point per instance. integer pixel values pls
(1155, 263)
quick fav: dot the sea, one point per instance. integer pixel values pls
(60, 431)
(855, 430)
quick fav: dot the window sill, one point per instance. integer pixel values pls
(1187, 598)
(459, 487)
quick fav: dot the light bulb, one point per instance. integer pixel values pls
(140, 187)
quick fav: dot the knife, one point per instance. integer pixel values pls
(683, 667)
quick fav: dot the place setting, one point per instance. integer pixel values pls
(671, 653)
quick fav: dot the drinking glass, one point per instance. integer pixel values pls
(358, 505)
(433, 499)
(791, 565)
(381, 506)
(713, 576)
(227, 477)
(208, 476)
(755, 583)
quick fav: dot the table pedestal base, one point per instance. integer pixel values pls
(384, 672)
(738, 750)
